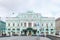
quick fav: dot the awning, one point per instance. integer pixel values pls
(24, 30)
(29, 29)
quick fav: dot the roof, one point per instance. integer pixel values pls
(3, 22)
(58, 19)
(28, 13)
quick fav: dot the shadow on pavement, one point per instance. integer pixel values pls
(53, 37)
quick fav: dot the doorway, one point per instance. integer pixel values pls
(29, 33)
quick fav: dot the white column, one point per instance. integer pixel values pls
(32, 24)
(23, 24)
(27, 33)
(20, 30)
(10, 33)
(38, 30)
(6, 33)
(26, 24)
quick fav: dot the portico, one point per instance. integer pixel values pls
(29, 31)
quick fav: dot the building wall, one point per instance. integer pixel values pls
(2, 27)
(57, 26)
(44, 24)
(49, 23)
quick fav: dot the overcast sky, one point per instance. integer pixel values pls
(48, 8)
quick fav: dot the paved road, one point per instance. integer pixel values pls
(44, 38)
(53, 37)
(24, 38)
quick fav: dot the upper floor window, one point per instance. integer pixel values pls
(8, 24)
(51, 29)
(25, 24)
(51, 24)
(18, 24)
(42, 24)
(29, 24)
(47, 25)
(34, 24)
(21, 24)
(13, 24)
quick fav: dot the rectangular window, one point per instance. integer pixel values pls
(13, 24)
(18, 24)
(52, 32)
(29, 24)
(42, 32)
(8, 24)
(25, 24)
(51, 29)
(18, 29)
(51, 24)
(34, 24)
(8, 29)
(47, 25)
(42, 24)
(46, 29)
(47, 33)
(13, 29)
(9, 33)
(21, 24)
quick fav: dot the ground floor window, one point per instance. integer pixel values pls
(52, 32)
(47, 33)
(18, 29)
(13, 29)
(42, 32)
(9, 29)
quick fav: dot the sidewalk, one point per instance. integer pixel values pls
(24, 38)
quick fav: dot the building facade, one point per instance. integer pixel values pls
(2, 28)
(57, 26)
(30, 23)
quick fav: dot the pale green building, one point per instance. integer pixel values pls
(2, 28)
(30, 23)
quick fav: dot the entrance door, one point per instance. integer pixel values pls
(13, 33)
(46, 33)
(29, 34)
